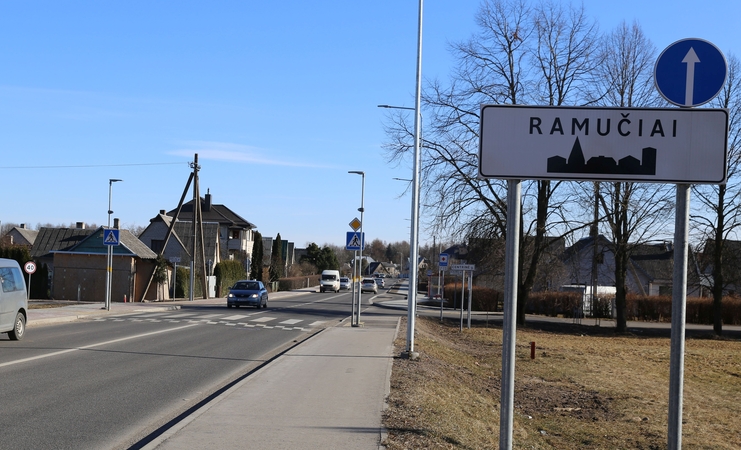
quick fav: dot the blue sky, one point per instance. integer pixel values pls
(279, 99)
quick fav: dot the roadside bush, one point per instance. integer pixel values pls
(182, 282)
(553, 303)
(484, 299)
(289, 284)
(657, 308)
(227, 273)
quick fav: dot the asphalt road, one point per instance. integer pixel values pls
(109, 382)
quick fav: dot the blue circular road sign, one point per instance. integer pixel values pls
(690, 72)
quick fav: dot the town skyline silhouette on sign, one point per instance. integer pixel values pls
(629, 165)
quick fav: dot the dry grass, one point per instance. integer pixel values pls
(580, 392)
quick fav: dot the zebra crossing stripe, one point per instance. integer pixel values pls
(291, 322)
(263, 319)
(237, 317)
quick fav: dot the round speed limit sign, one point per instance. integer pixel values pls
(30, 267)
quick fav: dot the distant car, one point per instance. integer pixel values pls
(368, 285)
(379, 281)
(247, 293)
(345, 283)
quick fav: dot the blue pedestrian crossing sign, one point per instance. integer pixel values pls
(110, 237)
(355, 241)
(690, 72)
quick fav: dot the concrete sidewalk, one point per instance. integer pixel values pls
(329, 392)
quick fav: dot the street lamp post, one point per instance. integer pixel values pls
(109, 256)
(362, 240)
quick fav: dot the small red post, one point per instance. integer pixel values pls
(124, 298)
(532, 350)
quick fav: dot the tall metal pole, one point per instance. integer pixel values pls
(679, 305)
(511, 256)
(109, 251)
(414, 238)
(355, 322)
(362, 242)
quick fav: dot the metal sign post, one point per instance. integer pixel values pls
(509, 325)
(690, 72)
(30, 268)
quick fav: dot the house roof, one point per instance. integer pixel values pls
(184, 233)
(655, 260)
(128, 244)
(213, 213)
(49, 240)
(28, 235)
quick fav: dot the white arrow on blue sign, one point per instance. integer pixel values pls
(690, 72)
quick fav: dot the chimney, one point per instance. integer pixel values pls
(207, 207)
(23, 225)
(115, 223)
(80, 225)
(162, 212)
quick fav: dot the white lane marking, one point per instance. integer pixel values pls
(114, 341)
(209, 316)
(177, 316)
(291, 321)
(237, 317)
(264, 319)
(317, 323)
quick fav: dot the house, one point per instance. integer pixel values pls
(731, 268)
(21, 236)
(50, 240)
(179, 248)
(235, 236)
(77, 260)
(650, 266)
(385, 268)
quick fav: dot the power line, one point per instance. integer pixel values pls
(84, 166)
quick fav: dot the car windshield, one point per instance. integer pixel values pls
(329, 277)
(246, 286)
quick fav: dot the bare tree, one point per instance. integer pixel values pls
(520, 55)
(634, 212)
(718, 215)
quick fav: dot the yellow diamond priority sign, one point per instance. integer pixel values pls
(355, 224)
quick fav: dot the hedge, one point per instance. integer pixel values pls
(289, 284)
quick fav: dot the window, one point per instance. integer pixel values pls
(11, 279)
(235, 234)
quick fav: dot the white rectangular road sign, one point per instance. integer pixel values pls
(655, 145)
(463, 267)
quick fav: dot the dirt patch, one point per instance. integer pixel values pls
(589, 392)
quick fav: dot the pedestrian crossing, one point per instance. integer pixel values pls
(251, 320)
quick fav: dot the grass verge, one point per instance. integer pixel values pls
(582, 391)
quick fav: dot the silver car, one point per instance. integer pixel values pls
(345, 283)
(13, 300)
(369, 285)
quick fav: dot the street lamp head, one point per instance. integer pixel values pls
(359, 172)
(113, 180)
(396, 107)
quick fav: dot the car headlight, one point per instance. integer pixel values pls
(253, 296)
(230, 295)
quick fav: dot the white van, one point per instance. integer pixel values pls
(13, 300)
(330, 281)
